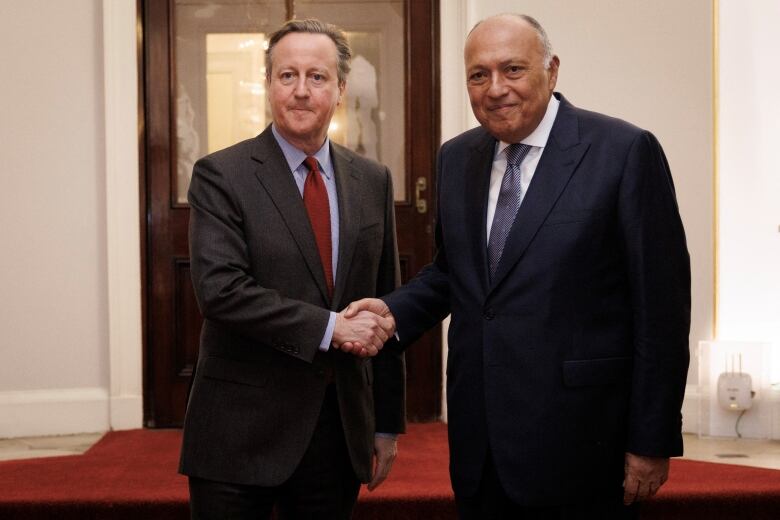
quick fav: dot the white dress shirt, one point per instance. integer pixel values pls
(537, 140)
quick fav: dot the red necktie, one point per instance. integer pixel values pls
(315, 198)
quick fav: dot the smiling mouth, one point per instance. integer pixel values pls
(500, 108)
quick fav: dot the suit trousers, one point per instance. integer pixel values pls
(323, 486)
(492, 503)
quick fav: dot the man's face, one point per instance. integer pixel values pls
(303, 88)
(508, 86)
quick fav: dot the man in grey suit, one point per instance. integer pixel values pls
(285, 229)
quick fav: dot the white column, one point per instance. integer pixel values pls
(123, 214)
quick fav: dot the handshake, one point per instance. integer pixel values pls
(363, 327)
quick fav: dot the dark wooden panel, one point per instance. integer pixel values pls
(171, 319)
(404, 262)
(415, 239)
(188, 320)
(165, 226)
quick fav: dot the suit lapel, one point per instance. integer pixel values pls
(477, 185)
(560, 158)
(274, 174)
(348, 186)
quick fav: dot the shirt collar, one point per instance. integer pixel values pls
(295, 157)
(541, 133)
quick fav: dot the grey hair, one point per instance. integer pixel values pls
(313, 26)
(540, 32)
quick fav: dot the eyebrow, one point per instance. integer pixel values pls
(514, 61)
(501, 64)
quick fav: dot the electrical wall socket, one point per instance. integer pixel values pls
(715, 416)
(735, 391)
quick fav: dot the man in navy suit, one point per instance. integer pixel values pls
(561, 257)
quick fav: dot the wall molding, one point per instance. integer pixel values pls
(715, 163)
(122, 214)
(456, 18)
(59, 411)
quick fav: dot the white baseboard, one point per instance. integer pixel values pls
(53, 412)
(127, 412)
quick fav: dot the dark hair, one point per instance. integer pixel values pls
(313, 26)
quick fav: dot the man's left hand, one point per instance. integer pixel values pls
(385, 450)
(644, 477)
(363, 334)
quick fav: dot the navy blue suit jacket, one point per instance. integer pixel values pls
(577, 350)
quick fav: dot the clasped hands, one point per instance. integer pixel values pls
(363, 327)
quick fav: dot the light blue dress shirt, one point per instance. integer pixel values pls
(299, 171)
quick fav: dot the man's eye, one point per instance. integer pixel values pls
(515, 69)
(317, 77)
(286, 76)
(477, 77)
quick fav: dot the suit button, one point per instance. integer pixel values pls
(489, 314)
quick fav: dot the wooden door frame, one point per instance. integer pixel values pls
(422, 31)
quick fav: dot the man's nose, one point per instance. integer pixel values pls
(497, 86)
(301, 89)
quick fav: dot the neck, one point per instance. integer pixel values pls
(305, 143)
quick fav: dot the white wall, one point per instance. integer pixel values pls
(749, 190)
(646, 61)
(749, 176)
(52, 209)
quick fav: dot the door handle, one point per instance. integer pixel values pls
(420, 203)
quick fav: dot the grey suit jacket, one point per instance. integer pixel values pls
(261, 379)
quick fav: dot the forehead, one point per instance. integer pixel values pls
(305, 49)
(501, 40)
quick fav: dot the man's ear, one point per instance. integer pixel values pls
(342, 92)
(554, 64)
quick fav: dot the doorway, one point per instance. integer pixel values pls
(204, 89)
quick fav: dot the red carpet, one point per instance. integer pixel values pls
(132, 474)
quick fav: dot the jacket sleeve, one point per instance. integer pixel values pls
(389, 366)
(227, 293)
(660, 289)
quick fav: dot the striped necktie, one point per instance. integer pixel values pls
(507, 205)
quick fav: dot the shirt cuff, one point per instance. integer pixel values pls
(328, 336)
(386, 435)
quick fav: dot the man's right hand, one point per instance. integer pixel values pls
(362, 333)
(373, 305)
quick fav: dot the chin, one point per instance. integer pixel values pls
(502, 133)
(299, 127)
